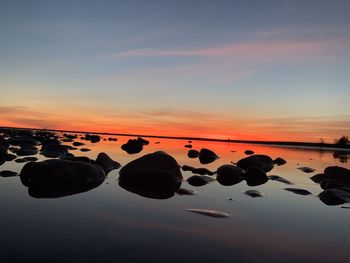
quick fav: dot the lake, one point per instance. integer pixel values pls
(107, 223)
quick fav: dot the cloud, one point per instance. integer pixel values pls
(243, 49)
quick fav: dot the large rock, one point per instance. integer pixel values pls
(106, 162)
(335, 196)
(155, 175)
(134, 145)
(338, 173)
(56, 178)
(255, 176)
(263, 162)
(229, 175)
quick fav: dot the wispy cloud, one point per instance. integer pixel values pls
(243, 49)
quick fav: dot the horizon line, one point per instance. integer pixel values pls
(296, 144)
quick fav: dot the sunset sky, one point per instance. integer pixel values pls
(274, 70)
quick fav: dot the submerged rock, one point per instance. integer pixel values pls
(211, 213)
(298, 191)
(6, 173)
(202, 171)
(254, 193)
(207, 156)
(263, 162)
(78, 143)
(56, 178)
(255, 176)
(85, 150)
(188, 146)
(155, 175)
(229, 175)
(53, 150)
(187, 168)
(306, 169)
(183, 191)
(279, 179)
(317, 178)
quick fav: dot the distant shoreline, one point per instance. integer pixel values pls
(311, 145)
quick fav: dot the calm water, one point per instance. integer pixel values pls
(110, 224)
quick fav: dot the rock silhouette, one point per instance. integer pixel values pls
(106, 162)
(298, 191)
(57, 178)
(156, 175)
(263, 162)
(229, 175)
(207, 156)
(279, 161)
(255, 176)
(193, 154)
(279, 179)
(134, 145)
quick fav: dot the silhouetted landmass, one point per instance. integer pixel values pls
(318, 145)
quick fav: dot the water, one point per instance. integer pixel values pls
(110, 224)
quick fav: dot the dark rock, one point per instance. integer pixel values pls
(188, 146)
(70, 136)
(7, 173)
(317, 178)
(249, 152)
(155, 175)
(67, 140)
(202, 171)
(197, 180)
(78, 144)
(85, 150)
(263, 162)
(279, 161)
(26, 150)
(30, 159)
(20, 160)
(56, 178)
(10, 157)
(207, 156)
(112, 139)
(229, 175)
(53, 150)
(134, 145)
(193, 154)
(66, 156)
(331, 183)
(335, 196)
(338, 173)
(255, 176)
(253, 193)
(183, 191)
(298, 191)
(106, 162)
(279, 179)
(187, 168)
(306, 169)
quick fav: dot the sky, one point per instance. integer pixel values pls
(238, 69)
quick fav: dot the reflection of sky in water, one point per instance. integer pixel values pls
(108, 223)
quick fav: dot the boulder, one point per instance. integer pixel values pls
(229, 175)
(207, 156)
(255, 176)
(263, 162)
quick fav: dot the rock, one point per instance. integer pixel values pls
(6, 173)
(85, 150)
(330, 183)
(67, 140)
(10, 157)
(187, 168)
(134, 145)
(279, 179)
(66, 156)
(26, 150)
(207, 156)
(155, 175)
(188, 146)
(106, 162)
(53, 150)
(20, 160)
(263, 162)
(197, 180)
(112, 139)
(183, 191)
(56, 178)
(92, 138)
(229, 175)
(30, 159)
(335, 196)
(202, 171)
(254, 193)
(78, 144)
(211, 213)
(338, 173)
(279, 161)
(306, 169)
(298, 191)
(249, 152)
(255, 176)
(193, 154)
(317, 178)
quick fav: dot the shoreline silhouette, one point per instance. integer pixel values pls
(292, 144)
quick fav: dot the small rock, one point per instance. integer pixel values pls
(253, 193)
(193, 154)
(279, 161)
(207, 156)
(279, 179)
(306, 169)
(249, 152)
(298, 191)
(211, 213)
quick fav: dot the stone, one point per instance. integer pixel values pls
(263, 162)
(207, 156)
(229, 175)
